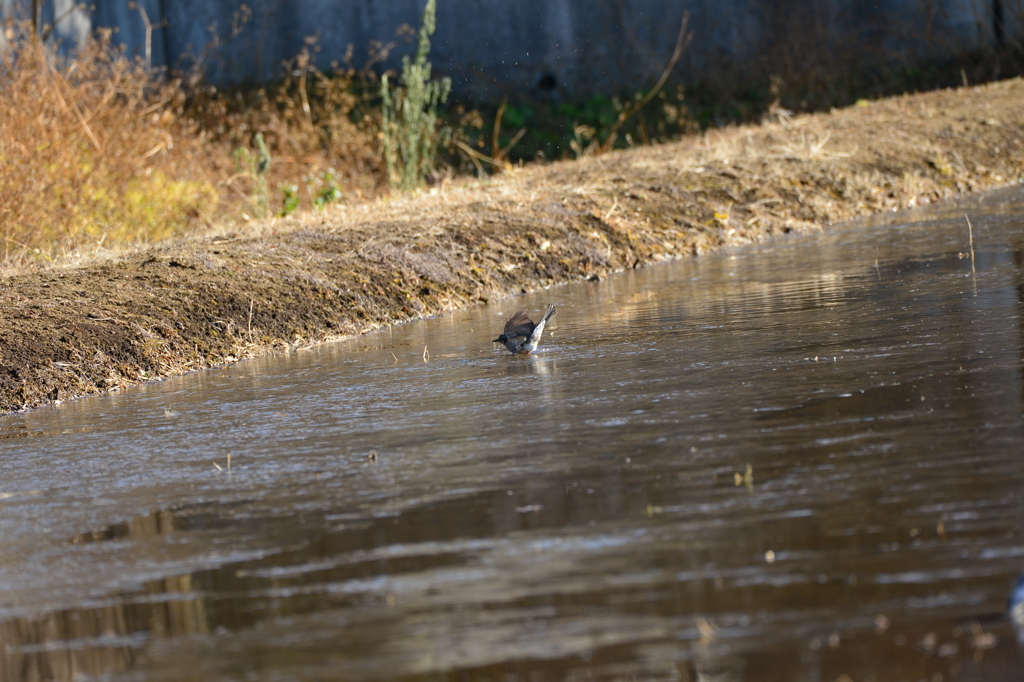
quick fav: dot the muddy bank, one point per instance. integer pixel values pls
(69, 330)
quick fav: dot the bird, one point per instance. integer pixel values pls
(521, 335)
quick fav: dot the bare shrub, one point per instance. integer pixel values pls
(98, 150)
(90, 152)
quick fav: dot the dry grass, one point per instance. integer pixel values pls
(316, 130)
(98, 151)
(90, 154)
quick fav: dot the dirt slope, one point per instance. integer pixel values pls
(68, 331)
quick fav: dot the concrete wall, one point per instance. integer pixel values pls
(576, 46)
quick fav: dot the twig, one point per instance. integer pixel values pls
(495, 144)
(379, 55)
(151, 152)
(615, 205)
(970, 235)
(515, 138)
(251, 303)
(472, 152)
(48, 29)
(149, 26)
(74, 107)
(107, 96)
(303, 64)
(474, 155)
(682, 41)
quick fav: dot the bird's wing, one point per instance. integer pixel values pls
(519, 324)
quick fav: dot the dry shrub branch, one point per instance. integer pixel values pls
(89, 152)
(317, 130)
(96, 150)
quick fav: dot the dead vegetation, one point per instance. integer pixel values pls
(97, 150)
(87, 156)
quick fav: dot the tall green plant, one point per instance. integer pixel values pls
(409, 114)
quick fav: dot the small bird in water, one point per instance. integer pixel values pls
(521, 335)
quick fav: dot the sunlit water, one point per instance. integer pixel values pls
(795, 461)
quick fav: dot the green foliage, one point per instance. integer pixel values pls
(290, 200)
(322, 190)
(329, 191)
(570, 129)
(409, 114)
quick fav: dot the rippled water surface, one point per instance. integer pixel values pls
(795, 461)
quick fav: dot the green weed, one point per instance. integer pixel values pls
(409, 114)
(328, 192)
(290, 199)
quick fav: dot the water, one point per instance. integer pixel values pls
(795, 461)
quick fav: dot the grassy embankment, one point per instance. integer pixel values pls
(99, 153)
(200, 302)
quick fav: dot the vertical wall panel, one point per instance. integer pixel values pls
(567, 47)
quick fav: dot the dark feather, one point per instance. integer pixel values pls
(519, 324)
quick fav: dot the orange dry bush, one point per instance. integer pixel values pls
(91, 152)
(96, 149)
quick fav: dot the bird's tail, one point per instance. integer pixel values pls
(539, 328)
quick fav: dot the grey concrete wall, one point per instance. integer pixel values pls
(579, 46)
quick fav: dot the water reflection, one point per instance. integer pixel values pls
(103, 637)
(794, 462)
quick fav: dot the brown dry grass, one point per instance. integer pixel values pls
(98, 151)
(91, 154)
(314, 125)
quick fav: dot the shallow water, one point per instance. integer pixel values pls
(794, 461)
